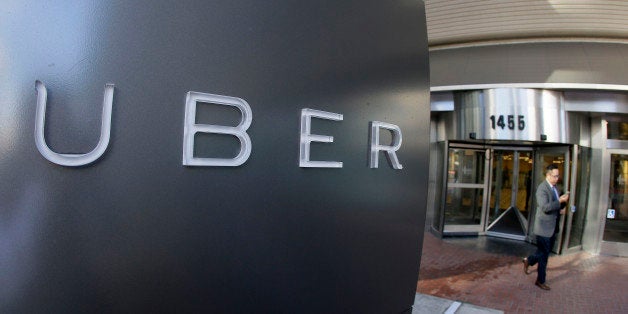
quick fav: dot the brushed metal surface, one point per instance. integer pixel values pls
(525, 115)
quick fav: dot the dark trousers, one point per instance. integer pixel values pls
(544, 246)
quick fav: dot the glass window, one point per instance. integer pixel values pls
(465, 186)
(616, 228)
(465, 166)
(617, 130)
(463, 206)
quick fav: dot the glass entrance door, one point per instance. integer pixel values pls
(546, 156)
(465, 191)
(510, 195)
(616, 224)
(580, 189)
(491, 191)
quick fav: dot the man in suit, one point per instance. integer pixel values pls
(549, 208)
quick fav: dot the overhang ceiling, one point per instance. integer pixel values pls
(584, 65)
(472, 22)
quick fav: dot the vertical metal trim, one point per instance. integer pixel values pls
(604, 191)
(566, 187)
(593, 227)
(572, 190)
(487, 188)
(443, 196)
(514, 183)
(604, 186)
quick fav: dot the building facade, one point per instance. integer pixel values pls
(515, 88)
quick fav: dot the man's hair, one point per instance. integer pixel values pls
(550, 168)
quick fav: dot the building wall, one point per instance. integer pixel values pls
(590, 77)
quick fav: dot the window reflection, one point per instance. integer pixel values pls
(616, 228)
(617, 130)
(465, 190)
(465, 166)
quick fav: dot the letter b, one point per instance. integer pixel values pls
(239, 131)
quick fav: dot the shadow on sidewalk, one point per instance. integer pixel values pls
(473, 256)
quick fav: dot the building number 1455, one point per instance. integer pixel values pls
(508, 121)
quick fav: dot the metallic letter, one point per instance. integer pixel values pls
(239, 131)
(307, 137)
(72, 160)
(389, 150)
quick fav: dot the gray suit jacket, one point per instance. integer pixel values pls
(547, 210)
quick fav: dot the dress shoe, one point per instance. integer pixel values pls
(542, 285)
(525, 266)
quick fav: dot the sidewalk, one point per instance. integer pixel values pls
(427, 304)
(487, 273)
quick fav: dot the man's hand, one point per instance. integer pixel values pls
(564, 198)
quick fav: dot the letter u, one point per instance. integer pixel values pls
(72, 160)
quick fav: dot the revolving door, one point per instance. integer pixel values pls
(489, 190)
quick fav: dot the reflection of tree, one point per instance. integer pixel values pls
(617, 182)
(617, 189)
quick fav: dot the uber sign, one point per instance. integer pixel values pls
(239, 131)
(233, 168)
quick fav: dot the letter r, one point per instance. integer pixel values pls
(390, 151)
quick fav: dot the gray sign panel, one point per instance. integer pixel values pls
(150, 223)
